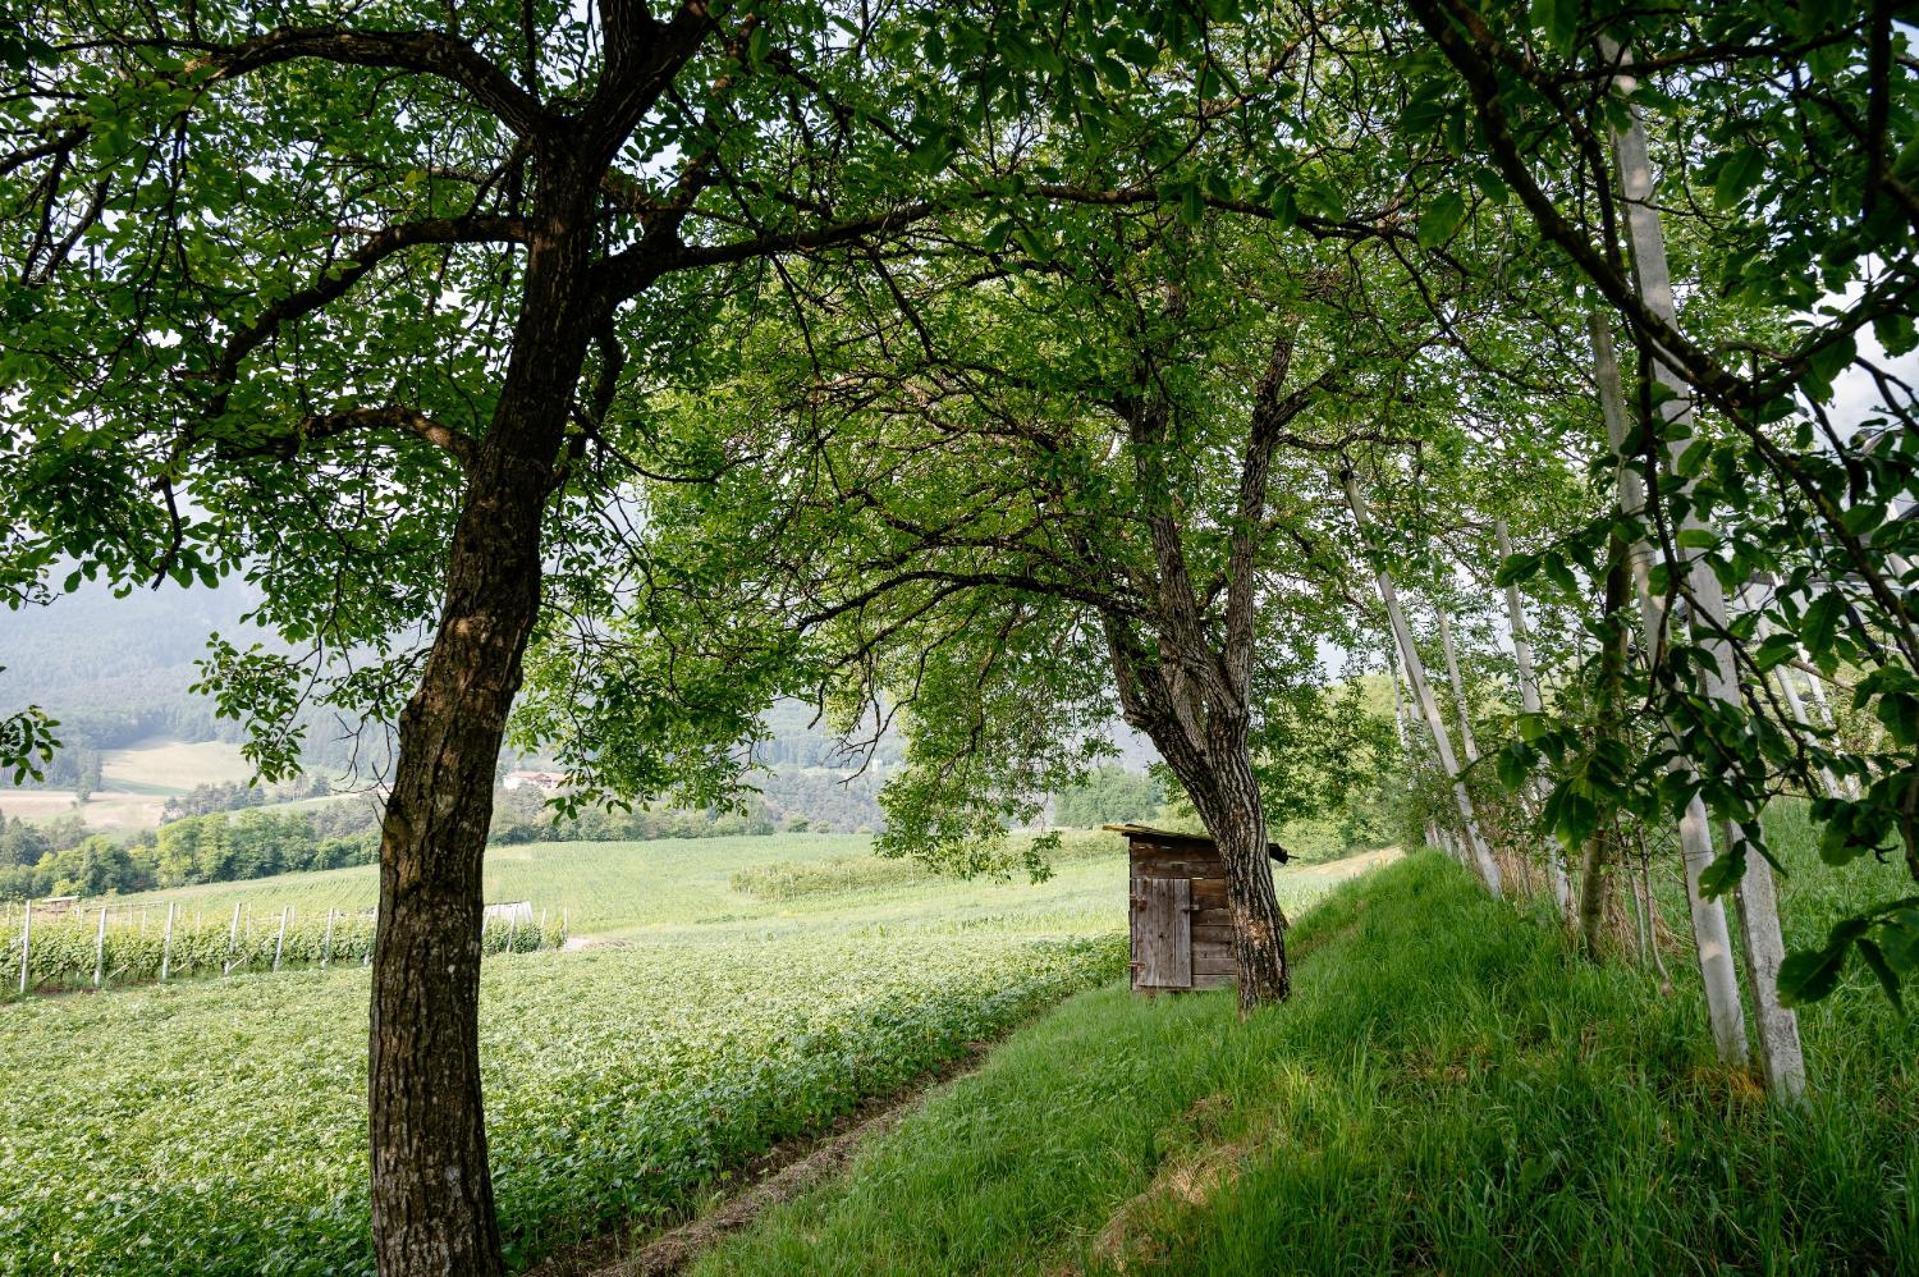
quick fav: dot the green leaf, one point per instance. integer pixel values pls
(1899, 711)
(1723, 874)
(1808, 977)
(1192, 206)
(1738, 173)
(1441, 218)
(1876, 960)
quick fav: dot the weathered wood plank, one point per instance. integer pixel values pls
(1162, 932)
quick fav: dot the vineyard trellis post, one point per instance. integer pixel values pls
(100, 949)
(1712, 939)
(1423, 695)
(1756, 895)
(1530, 701)
(166, 945)
(279, 945)
(1467, 740)
(26, 940)
(326, 945)
(233, 939)
(1784, 679)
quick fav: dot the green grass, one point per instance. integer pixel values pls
(1451, 1089)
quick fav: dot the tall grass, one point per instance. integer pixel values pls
(1450, 1089)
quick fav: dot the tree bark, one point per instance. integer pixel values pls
(432, 1194)
(1226, 795)
(1612, 670)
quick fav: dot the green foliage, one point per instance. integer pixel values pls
(1108, 795)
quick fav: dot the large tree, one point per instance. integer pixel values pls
(1022, 492)
(340, 297)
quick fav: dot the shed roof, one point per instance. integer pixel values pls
(1133, 831)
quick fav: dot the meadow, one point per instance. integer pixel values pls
(218, 1125)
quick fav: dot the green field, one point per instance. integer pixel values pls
(1451, 1089)
(218, 1126)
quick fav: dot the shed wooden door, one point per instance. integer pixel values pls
(1163, 932)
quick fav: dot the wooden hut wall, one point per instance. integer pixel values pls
(1212, 930)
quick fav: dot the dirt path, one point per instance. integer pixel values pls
(780, 1175)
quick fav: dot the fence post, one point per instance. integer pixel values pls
(512, 929)
(100, 949)
(166, 946)
(542, 943)
(326, 945)
(279, 946)
(26, 940)
(233, 938)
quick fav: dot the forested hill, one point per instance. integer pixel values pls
(118, 669)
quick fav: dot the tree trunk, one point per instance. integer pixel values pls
(1612, 671)
(432, 1195)
(1226, 795)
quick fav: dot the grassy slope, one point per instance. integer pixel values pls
(1449, 1090)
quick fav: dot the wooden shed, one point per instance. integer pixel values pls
(1182, 934)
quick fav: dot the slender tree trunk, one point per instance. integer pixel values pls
(1423, 694)
(1756, 898)
(432, 1195)
(1530, 701)
(1612, 669)
(1712, 939)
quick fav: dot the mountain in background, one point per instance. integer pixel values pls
(117, 670)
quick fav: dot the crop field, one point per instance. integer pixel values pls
(218, 1125)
